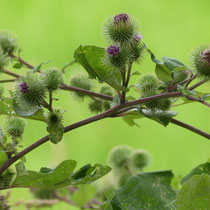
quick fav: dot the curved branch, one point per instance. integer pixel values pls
(191, 128)
(87, 92)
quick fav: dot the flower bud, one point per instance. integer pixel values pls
(4, 60)
(30, 90)
(106, 90)
(158, 104)
(15, 127)
(55, 117)
(119, 156)
(96, 106)
(140, 158)
(147, 83)
(116, 56)
(201, 61)
(8, 42)
(120, 29)
(52, 78)
(80, 81)
(23, 87)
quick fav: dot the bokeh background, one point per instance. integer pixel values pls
(52, 30)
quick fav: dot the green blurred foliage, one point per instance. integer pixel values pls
(52, 30)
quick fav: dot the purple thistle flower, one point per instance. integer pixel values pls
(206, 55)
(121, 17)
(113, 50)
(137, 38)
(23, 87)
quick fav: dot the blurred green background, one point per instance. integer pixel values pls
(52, 30)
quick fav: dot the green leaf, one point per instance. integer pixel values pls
(27, 178)
(83, 195)
(37, 68)
(95, 172)
(135, 73)
(8, 107)
(203, 168)
(163, 73)
(90, 57)
(131, 117)
(195, 193)
(205, 97)
(162, 117)
(18, 65)
(115, 101)
(174, 64)
(185, 91)
(59, 177)
(3, 157)
(149, 190)
(56, 131)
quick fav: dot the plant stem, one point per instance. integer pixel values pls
(87, 92)
(22, 61)
(11, 73)
(191, 128)
(67, 65)
(7, 80)
(13, 159)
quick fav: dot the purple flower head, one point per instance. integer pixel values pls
(113, 50)
(137, 38)
(206, 55)
(121, 18)
(23, 87)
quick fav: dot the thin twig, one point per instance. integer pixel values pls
(87, 92)
(7, 80)
(191, 128)
(67, 65)
(23, 61)
(11, 73)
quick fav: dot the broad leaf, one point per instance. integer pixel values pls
(195, 193)
(27, 178)
(173, 64)
(149, 190)
(162, 117)
(131, 117)
(163, 73)
(7, 107)
(83, 195)
(90, 57)
(56, 132)
(59, 177)
(203, 168)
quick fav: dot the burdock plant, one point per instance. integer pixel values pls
(35, 92)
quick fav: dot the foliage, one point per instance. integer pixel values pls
(153, 96)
